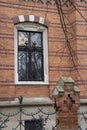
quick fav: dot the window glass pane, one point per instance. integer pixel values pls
(22, 68)
(35, 39)
(33, 125)
(30, 56)
(36, 66)
(22, 38)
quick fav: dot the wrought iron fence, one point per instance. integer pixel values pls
(39, 122)
(40, 119)
(82, 117)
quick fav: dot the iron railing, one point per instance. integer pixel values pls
(41, 121)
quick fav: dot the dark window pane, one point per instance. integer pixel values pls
(22, 68)
(30, 56)
(33, 125)
(36, 66)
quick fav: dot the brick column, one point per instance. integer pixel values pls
(66, 101)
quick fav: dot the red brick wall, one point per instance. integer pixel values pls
(81, 31)
(60, 63)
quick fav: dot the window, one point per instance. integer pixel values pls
(33, 125)
(31, 54)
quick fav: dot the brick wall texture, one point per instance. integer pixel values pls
(60, 62)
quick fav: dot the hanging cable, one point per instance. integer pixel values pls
(63, 24)
(84, 1)
(77, 10)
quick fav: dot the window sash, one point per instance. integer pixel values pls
(30, 59)
(32, 27)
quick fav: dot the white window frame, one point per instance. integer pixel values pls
(37, 28)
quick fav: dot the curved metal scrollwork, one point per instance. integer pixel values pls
(43, 116)
(83, 120)
(40, 113)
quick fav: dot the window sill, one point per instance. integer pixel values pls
(31, 83)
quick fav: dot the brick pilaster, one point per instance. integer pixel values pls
(66, 101)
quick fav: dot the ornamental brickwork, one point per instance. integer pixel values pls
(47, 2)
(66, 101)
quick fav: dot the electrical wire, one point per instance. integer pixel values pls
(77, 10)
(63, 24)
(73, 33)
(84, 1)
(69, 46)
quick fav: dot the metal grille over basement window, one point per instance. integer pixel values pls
(33, 125)
(30, 56)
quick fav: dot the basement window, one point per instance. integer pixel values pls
(31, 54)
(33, 125)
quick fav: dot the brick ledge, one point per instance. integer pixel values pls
(31, 101)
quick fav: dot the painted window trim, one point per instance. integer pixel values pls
(32, 27)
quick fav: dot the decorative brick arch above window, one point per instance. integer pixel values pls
(31, 18)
